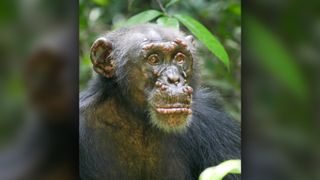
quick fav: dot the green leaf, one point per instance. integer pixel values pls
(168, 22)
(142, 17)
(86, 60)
(204, 35)
(221, 170)
(236, 9)
(275, 58)
(171, 3)
(101, 2)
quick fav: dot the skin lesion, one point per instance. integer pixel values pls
(165, 47)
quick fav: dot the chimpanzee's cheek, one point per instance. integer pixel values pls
(139, 75)
(146, 75)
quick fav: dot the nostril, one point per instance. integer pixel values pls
(174, 79)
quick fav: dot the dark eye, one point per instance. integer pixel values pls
(180, 58)
(153, 59)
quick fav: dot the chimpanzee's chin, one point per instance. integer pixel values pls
(171, 120)
(170, 112)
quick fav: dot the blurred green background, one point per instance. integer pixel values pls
(281, 108)
(221, 17)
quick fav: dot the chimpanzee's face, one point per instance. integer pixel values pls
(153, 68)
(158, 80)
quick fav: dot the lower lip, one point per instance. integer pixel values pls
(174, 110)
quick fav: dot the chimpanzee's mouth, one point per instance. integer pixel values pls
(172, 100)
(179, 104)
(174, 109)
(170, 111)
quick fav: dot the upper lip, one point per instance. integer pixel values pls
(172, 100)
(168, 103)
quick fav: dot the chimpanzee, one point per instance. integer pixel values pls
(144, 115)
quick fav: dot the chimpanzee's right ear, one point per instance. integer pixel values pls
(102, 62)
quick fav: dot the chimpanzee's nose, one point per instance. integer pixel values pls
(173, 76)
(173, 79)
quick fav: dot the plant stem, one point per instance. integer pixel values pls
(161, 6)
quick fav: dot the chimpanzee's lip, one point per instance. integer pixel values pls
(174, 110)
(179, 104)
(168, 99)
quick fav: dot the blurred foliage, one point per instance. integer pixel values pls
(281, 90)
(275, 62)
(221, 17)
(220, 171)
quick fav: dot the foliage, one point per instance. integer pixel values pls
(221, 170)
(216, 24)
(278, 59)
(205, 36)
(143, 17)
(199, 30)
(168, 21)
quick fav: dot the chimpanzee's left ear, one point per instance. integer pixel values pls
(190, 39)
(102, 62)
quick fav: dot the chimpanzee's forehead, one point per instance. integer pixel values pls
(137, 37)
(153, 33)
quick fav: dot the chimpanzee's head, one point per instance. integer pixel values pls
(153, 68)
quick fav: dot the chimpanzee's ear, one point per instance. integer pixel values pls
(101, 59)
(190, 39)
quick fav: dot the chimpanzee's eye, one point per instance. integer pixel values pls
(154, 59)
(180, 58)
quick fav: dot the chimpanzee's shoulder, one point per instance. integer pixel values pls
(213, 129)
(209, 115)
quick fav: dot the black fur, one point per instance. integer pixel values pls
(212, 137)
